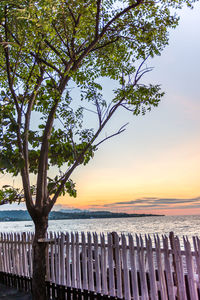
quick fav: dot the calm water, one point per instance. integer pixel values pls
(181, 225)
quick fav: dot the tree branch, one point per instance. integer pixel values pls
(56, 51)
(139, 72)
(120, 14)
(41, 194)
(16, 65)
(97, 17)
(62, 40)
(121, 129)
(27, 120)
(106, 44)
(46, 63)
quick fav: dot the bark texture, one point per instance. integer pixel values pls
(39, 259)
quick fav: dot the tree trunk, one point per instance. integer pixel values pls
(39, 260)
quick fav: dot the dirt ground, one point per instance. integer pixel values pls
(8, 293)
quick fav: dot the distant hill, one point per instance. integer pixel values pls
(22, 215)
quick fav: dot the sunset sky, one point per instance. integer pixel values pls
(154, 166)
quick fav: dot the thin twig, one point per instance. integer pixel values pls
(121, 129)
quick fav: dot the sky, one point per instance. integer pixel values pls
(154, 166)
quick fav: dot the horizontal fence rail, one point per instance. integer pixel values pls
(119, 266)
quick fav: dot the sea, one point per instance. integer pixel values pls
(161, 225)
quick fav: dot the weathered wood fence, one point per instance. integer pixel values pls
(129, 267)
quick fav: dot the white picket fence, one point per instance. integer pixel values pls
(129, 267)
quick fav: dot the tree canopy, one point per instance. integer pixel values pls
(48, 46)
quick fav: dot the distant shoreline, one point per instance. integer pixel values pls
(22, 215)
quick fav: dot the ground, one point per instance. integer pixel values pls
(9, 293)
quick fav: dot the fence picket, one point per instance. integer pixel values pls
(110, 266)
(78, 266)
(1, 254)
(126, 278)
(16, 254)
(175, 245)
(6, 254)
(168, 269)
(47, 260)
(190, 270)
(56, 254)
(52, 253)
(152, 277)
(104, 265)
(73, 256)
(84, 262)
(20, 255)
(141, 265)
(197, 256)
(161, 275)
(90, 263)
(68, 260)
(134, 279)
(97, 264)
(117, 262)
(62, 260)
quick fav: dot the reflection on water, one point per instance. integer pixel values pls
(181, 225)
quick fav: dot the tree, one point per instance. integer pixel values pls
(46, 47)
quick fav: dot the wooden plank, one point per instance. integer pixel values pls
(126, 279)
(78, 265)
(48, 253)
(52, 256)
(84, 262)
(56, 255)
(111, 267)
(20, 255)
(168, 269)
(161, 276)
(141, 265)
(59, 258)
(68, 260)
(90, 263)
(179, 262)
(134, 279)
(24, 255)
(1, 254)
(62, 260)
(175, 245)
(73, 256)
(11, 253)
(16, 254)
(152, 277)
(117, 262)
(196, 244)
(30, 258)
(97, 264)
(6, 254)
(190, 270)
(104, 265)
